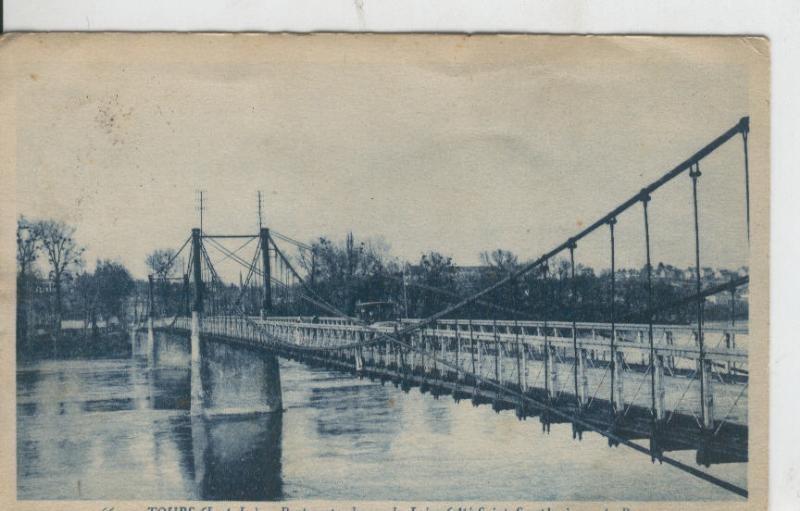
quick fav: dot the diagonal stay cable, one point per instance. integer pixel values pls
(732, 407)
(293, 241)
(230, 254)
(251, 267)
(176, 254)
(235, 251)
(452, 294)
(710, 291)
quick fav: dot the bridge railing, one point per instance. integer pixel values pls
(529, 357)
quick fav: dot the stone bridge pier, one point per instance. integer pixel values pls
(221, 378)
(234, 379)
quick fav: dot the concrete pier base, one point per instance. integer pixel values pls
(239, 380)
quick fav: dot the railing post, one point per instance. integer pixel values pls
(398, 351)
(413, 342)
(730, 337)
(524, 366)
(471, 345)
(481, 349)
(425, 348)
(498, 365)
(458, 353)
(435, 337)
(583, 387)
(519, 355)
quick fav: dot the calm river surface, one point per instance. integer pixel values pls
(118, 427)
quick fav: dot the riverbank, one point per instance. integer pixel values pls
(75, 344)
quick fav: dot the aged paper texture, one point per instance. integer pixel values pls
(341, 271)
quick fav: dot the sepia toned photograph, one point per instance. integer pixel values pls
(385, 268)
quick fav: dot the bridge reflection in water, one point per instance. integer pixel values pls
(120, 428)
(235, 446)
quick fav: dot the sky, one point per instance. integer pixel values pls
(459, 144)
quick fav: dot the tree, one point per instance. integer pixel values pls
(351, 271)
(162, 266)
(503, 260)
(436, 271)
(27, 253)
(86, 290)
(27, 245)
(63, 254)
(114, 286)
(161, 262)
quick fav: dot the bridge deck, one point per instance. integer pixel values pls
(515, 356)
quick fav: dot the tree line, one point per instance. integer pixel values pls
(358, 277)
(54, 285)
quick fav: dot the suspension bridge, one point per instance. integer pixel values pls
(648, 385)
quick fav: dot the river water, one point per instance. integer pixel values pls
(118, 427)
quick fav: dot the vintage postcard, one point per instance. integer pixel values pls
(391, 272)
